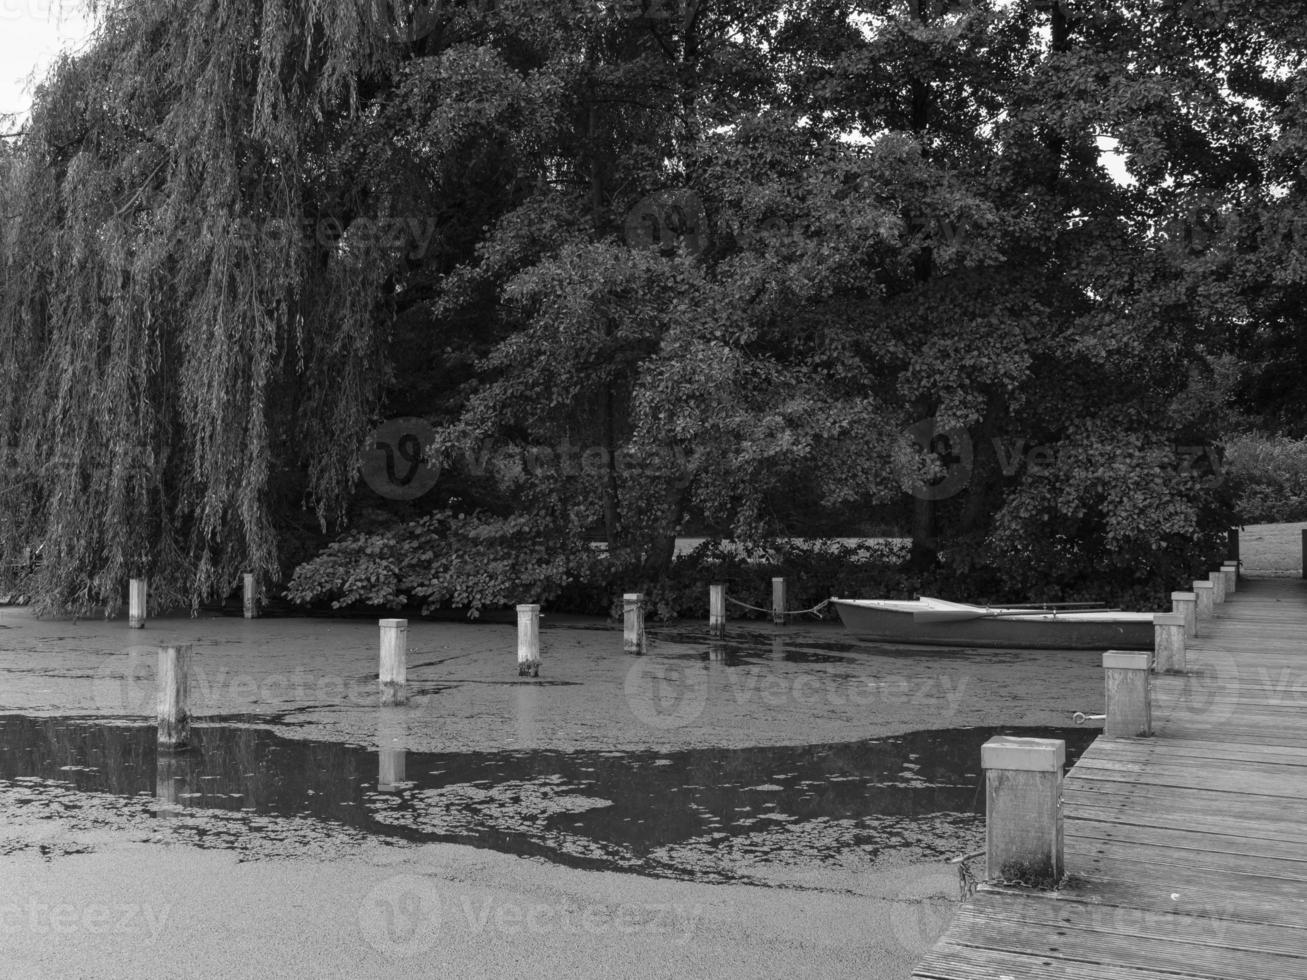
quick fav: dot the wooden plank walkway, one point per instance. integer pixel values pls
(1186, 853)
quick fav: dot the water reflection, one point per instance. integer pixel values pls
(391, 754)
(175, 782)
(702, 813)
(526, 710)
(742, 646)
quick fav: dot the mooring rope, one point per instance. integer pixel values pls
(967, 879)
(815, 610)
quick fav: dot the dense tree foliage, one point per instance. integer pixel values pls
(664, 263)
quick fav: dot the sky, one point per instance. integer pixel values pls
(32, 32)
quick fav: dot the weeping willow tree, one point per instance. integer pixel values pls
(172, 337)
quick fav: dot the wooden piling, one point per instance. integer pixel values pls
(1169, 643)
(528, 640)
(1204, 606)
(778, 601)
(1023, 809)
(393, 674)
(633, 623)
(1218, 587)
(717, 609)
(137, 593)
(251, 597)
(1186, 604)
(174, 716)
(1128, 695)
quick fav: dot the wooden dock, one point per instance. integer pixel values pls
(1186, 853)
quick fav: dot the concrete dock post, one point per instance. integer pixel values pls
(137, 594)
(1217, 579)
(1169, 643)
(1186, 604)
(717, 609)
(1128, 695)
(251, 597)
(393, 672)
(528, 640)
(1205, 606)
(1023, 809)
(778, 601)
(1230, 572)
(633, 623)
(174, 715)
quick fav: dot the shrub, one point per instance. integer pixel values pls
(445, 559)
(1268, 477)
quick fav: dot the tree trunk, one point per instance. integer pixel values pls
(985, 471)
(662, 551)
(611, 513)
(925, 541)
(925, 536)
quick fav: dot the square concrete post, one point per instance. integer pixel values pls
(528, 640)
(1230, 572)
(1168, 643)
(717, 609)
(174, 710)
(778, 601)
(1128, 695)
(137, 593)
(1186, 604)
(1218, 587)
(393, 672)
(633, 623)
(1023, 809)
(1205, 605)
(250, 606)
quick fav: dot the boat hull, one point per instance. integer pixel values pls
(1130, 631)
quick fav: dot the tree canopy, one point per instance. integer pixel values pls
(729, 252)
